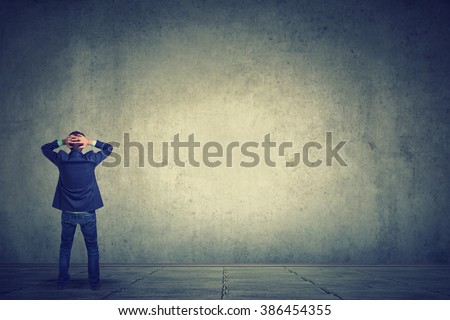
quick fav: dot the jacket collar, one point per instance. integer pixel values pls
(75, 151)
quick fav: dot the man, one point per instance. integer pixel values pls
(78, 196)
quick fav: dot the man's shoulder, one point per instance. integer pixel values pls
(89, 155)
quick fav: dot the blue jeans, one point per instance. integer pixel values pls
(88, 224)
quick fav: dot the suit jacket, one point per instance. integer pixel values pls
(77, 188)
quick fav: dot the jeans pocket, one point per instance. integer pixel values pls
(89, 218)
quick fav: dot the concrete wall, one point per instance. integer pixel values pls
(375, 73)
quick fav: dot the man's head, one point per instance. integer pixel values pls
(75, 134)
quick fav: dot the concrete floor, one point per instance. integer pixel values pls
(231, 282)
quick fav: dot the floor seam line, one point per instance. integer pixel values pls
(131, 283)
(327, 291)
(224, 293)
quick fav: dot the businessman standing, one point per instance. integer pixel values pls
(78, 197)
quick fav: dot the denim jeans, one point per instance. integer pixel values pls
(88, 224)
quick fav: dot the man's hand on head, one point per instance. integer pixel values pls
(70, 140)
(83, 141)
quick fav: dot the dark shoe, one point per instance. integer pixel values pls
(97, 286)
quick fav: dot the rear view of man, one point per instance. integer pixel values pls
(77, 195)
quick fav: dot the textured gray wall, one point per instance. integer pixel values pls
(375, 73)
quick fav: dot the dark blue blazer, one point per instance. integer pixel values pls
(77, 188)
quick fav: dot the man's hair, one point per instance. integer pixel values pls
(76, 133)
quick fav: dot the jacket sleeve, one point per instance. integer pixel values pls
(47, 150)
(106, 150)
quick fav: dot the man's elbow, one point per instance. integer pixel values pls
(44, 148)
(107, 149)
